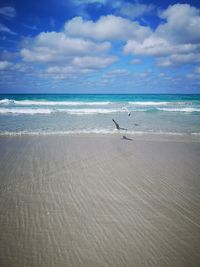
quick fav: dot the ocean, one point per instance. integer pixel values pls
(93, 113)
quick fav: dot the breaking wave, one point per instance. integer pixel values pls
(32, 111)
(24, 111)
(187, 110)
(149, 103)
(51, 103)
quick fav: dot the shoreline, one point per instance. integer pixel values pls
(156, 136)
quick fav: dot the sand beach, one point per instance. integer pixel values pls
(99, 200)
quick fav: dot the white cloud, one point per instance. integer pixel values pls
(30, 27)
(116, 73)
(85, 2)
(83, 46)
(5, 65)
(5, 29)
(151, 46)
(106, 28)
(57, 47)
(14, 67)
(78, 65)
(135, 10)
(93, 62)
(183, 24)
(82, 65)
(8, 12)
(66, 56)
(60, 70)
(164, 62)
(157, 46)
(179, 59)
(174, 42)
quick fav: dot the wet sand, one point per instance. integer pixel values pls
(99, 201)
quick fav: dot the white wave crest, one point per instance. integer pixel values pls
(90, 111)
(52, 103)
(24, 111)
(187, 110)
(34, 111)
(6, 101)
(196, 134)
(149, 103)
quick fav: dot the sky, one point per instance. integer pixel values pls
(99, 46)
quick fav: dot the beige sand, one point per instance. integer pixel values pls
(99, 201)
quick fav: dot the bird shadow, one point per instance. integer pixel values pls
(126, 138)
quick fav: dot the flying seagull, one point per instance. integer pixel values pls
(129, 113)
(117, 125)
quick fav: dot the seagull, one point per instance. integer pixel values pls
(129, 113)
(117, 125)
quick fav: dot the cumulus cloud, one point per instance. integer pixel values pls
(179, 59)
(106, 28)
(183, 24)
(10, 67)
(157, 46)
(116, 73)
(57, 47)
(151, 46)
(5, 65)
(85, 64)
(174, 42)
(60, 70)
(84, 45)
(8, 12)
(93, 62)
(66, 56)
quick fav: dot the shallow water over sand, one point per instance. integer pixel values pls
(94, 113)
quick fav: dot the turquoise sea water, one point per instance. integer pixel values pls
(175, 114)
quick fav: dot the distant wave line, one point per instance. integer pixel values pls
(52, 103)
(187, 110)
(158, 103)
(90, 111)
(49, 111)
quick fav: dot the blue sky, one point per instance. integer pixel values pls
(99, 46)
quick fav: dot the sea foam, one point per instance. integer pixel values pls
(34, 111)
(187, 110)
(24, 111)
(52, 103)
(149, 103)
